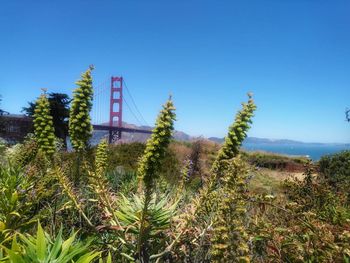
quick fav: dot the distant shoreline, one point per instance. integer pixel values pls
(313, 151)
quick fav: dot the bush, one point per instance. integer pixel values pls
(15, 201)
(126, 155)
(275, 161)
(22, 154)
(336, 169)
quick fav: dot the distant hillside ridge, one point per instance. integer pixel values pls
(136, 137)
(256, 140)
(182, 136)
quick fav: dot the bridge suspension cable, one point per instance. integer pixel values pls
(102, 84)
(108, 100)
(127, 105)
(133, 102)
(101, 99)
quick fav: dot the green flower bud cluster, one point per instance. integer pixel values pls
(43, 126)
(99, 184)
(101, 158)
(156, 145)
(229, 238)
(67, 187)
(80, 128)
(149, 168)
(236, 135)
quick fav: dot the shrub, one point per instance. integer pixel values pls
(22, 154)
(17, 199)
(275, 161)
(336, 169)
(125, 155)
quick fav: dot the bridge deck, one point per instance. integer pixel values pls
(122, 129)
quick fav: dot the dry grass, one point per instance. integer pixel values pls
(267, 181)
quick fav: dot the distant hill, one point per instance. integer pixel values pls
(136, 137)
(182, 136)
(255, 140)
(216, 139)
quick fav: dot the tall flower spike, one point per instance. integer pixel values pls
(157, 144)
(236, 134)
(43, 126)
(99, 183)
(101, 158)
(80, 128)
(148, 170)
(230, 239)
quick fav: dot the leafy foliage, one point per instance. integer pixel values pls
(15, 201)
(275, 161)
(125, 155)
(335, 169)
(159, 214)
(41, 248)
(22, 154)
(310, 225)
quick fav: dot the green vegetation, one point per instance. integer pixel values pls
(41, 248)
(167, 201)
(335, 169)
(275, 161)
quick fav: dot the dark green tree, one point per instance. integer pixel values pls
(2, 112)
(59, 110)
(2, 120)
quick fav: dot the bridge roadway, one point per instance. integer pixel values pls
(121, 129)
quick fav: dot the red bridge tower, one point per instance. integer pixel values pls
(116, 108)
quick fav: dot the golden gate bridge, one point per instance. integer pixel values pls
(110, 95)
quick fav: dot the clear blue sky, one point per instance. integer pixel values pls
(294, 55)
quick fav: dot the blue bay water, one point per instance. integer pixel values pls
(314, 151)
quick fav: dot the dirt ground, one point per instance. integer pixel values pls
(282, 175)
